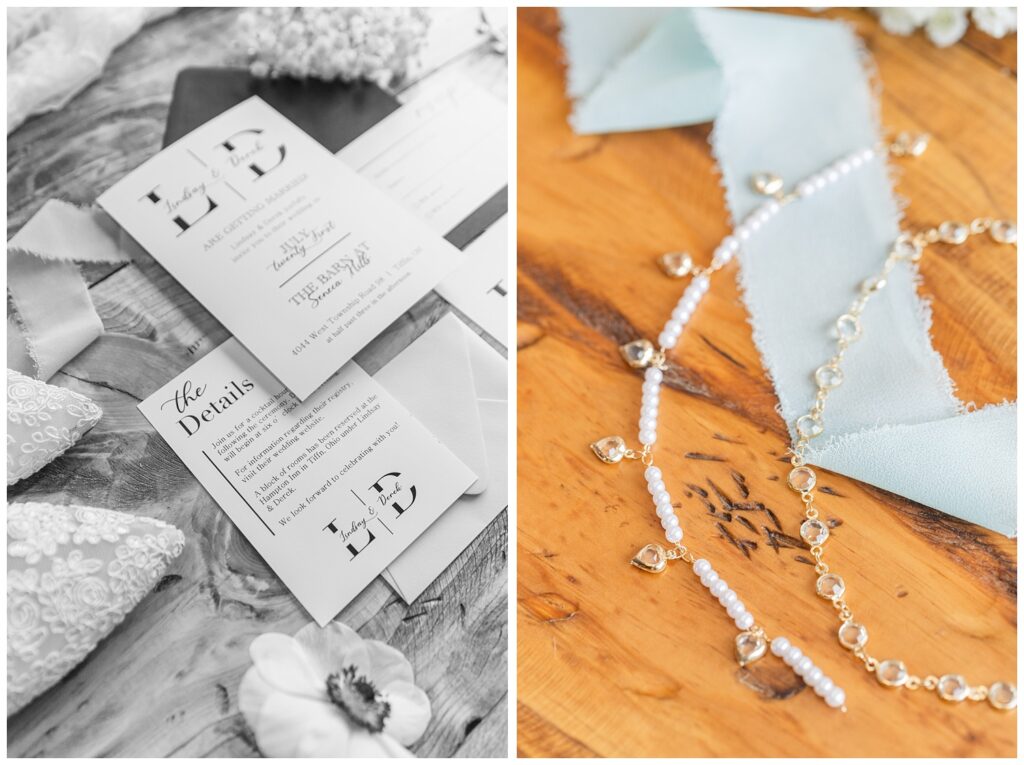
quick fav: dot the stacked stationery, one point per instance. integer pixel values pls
(334, 475)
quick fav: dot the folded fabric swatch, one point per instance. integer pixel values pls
(43, 422)
(73, 574)
(50, 316)
(52, 55)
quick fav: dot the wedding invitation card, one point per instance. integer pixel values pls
(329, 490)
(479, 288)
(441, 155)
(298, 256)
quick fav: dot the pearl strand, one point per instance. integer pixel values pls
(805, 668)
(663, 505)
(730, 245)
(642, 354)
(687, 305)
(802, 665)
(683, 311)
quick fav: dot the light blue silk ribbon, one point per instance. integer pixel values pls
(792, 95)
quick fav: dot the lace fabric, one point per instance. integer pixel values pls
(43, 421)
(73, 574)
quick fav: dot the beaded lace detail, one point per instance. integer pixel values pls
(73, 574)
(43, 421)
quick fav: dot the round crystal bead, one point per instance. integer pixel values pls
(853, 635)
(814, 532)
(891, 672)
(802, 479)
(873, 284)
(809, 426)
(848, 327)
(830, 587)
(952, 687)
(1003, 231)
(905, 248)
(953, 232)
(828, 376)
(1003, 695)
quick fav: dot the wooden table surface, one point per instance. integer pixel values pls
(165, 682)
(613, 661)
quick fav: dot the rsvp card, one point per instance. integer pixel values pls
(304, 261)
(329, 490)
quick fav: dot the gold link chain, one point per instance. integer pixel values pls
(920, 242)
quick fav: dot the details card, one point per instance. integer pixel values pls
(304, 261)
(329, 490)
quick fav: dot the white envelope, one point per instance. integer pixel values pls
(419, 378)
(433, 379)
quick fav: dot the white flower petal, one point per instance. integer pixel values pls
(366, 744)
(903, 21)
(253, 693)
(410, 712)
(997, 22)
(280, 661)
(389, 664)
(286, 722)
(920, 14)
(325, 741)
(947, 26)
(283, 697)
(329, 649)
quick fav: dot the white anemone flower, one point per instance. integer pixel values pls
(946, 26)
(330, 693)
(997, 22)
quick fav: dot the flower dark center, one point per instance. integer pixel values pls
(358, 698)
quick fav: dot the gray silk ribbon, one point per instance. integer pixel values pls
(50, 316)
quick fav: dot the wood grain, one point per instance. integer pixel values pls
(165, 682)
(615, 662)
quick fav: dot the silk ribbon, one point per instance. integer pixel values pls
(791, 95)
(50, 316)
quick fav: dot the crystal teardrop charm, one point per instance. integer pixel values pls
(750, 647)
(676, 264)
(910, 144)
(651, 558)
(610, 449)
(638, 353)
(768, 184)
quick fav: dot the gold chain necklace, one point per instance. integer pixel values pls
(752, 642)
(852, 634)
